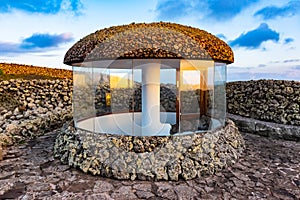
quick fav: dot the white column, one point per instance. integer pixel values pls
(151, 101)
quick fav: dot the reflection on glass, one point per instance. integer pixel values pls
(108, 96)
(220, 92)
(137, 89)
(196, 83)
(83, 94)
(121, 86)
(101, 88)
(168, 90)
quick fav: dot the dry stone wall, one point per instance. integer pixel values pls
(275, 101)
(29, 108)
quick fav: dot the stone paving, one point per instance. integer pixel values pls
(268, 169)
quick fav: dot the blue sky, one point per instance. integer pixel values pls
(264, 34)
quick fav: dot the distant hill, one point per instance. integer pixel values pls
(20, 70)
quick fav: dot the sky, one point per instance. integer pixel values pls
(264, 34)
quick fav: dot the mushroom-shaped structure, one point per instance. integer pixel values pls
(149, 79)
(139, 86)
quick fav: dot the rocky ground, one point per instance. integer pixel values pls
(268, 169)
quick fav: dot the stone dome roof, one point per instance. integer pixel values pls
(153, 40)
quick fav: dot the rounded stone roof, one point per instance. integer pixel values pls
(153, 40)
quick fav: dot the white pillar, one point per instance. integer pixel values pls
(151, 101)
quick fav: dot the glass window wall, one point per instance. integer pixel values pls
(149, 97)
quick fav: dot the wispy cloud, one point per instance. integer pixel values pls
(254, 38)
(278, 71)
(272, 12)
(291, 61)
(262, 65)
(221, 36)
(297, 67)
(6, 48)
(288, 40)
(220, 9)
(247, 75)
(173, 9)
(212, 9)
(36, 43)
(39, 40)
(41, 6)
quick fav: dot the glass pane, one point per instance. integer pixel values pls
(103, 96)
(137, 100)
(83, 96)
(196, 84)
(210, 92)
(137, 87)
(168, 90)
(121, 88)
(220, 93)
(154, 97)
(168, 95)
(121, 100)
(190, 91)
(102, 89)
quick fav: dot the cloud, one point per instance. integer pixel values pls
(221, 36)
(39, 40)
(223, 10)
(288, 40)
(172, 9)
(36, 43)
(277, 72)
(297, 67)
(212, 9)
(291, 60)
(49, 55)
(254, 38)
(277, 61)
(262, 65)
(245, 76)
(6, 48)
(41, 6)
(272, 12)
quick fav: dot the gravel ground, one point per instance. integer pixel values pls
(268, 169)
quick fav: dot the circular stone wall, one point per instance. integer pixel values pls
(149, 158)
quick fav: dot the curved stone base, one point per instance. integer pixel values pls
(175, 157)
